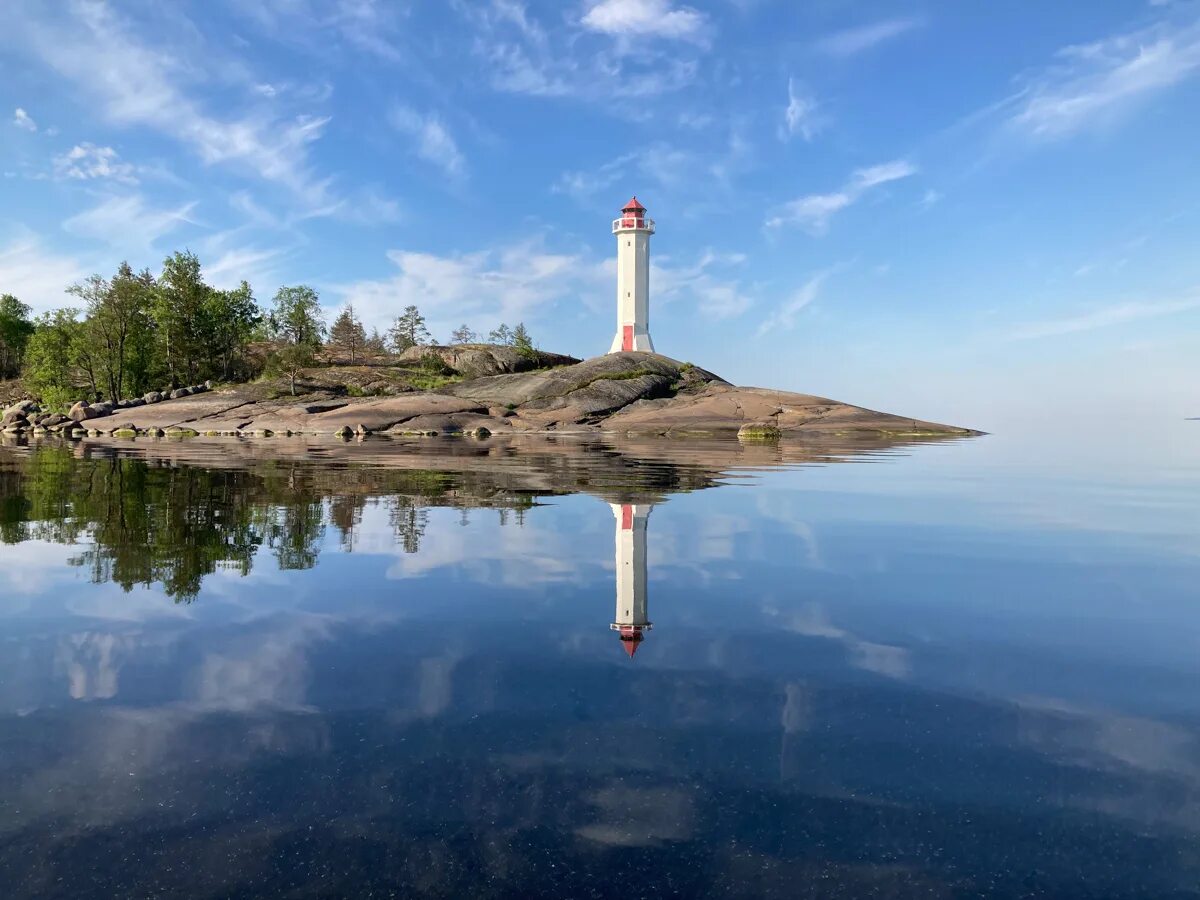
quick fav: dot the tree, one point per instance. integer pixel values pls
(15, 330)
(347, 334)
(375, 345)
(522, 342)
(297, 328)
(117, 328)
(409, 330)
(501, 335)
(51, 357)
(463, 335)
(233, 316)
(181, 312)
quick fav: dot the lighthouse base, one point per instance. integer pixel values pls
(630, 337)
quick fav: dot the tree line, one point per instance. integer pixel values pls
(137, 331)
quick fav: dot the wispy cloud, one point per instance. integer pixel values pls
(136, 82)
(87, 161)
(37, 276)
(523, 56)
(433, 141)
(813, 211)
(852, 41)
(129, 222)
(801, 116)
(646, 18)
(482, 288)
(784, 316)
(1095, 83)
(23, 121)
(1105, 317)
(711, 284)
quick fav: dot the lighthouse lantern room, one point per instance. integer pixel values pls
(633, 232)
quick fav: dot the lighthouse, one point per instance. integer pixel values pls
(633, 232)
(632, 618)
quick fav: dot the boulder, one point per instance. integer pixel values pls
(54, 419)
(13, 417)
(208, 385)
(344, 432)
(180, 393)
(362, 429)
(200, 388)
(25, 406)
(152, 397)
(102, 409)
(134, 403)
(81, 412)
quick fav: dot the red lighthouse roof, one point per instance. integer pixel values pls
(631, 638)
(633, 204)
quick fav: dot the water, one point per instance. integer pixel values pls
(943, 669)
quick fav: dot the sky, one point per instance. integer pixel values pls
(980, 213)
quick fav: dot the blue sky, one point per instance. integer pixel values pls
(982, 213)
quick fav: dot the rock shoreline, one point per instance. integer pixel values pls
(628, 393)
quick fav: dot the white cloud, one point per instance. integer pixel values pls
(856, 40)
(37, 276)
(801, 115)
(930, 198)
(434, 143)
(1095, 83)
(128, 223)
(1104, 317)
(483, 288)
(136, 82)
(814, 211)
(784, 317)
(21, 120)
(257, 266)
(646, 18)
(521, 56)
(709, 285)
(85, 161)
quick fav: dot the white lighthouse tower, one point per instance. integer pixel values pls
(633, 232)
(632, 618)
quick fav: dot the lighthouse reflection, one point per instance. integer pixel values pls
(632, 619)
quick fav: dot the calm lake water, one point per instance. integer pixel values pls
(556, 668)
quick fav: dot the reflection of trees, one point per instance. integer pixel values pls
(151, 522)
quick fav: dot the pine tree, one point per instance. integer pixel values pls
(409, 330)
(501, 335)
(347, 334)
(463, 335)
(522, 342)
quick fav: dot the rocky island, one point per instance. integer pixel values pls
(484, 390)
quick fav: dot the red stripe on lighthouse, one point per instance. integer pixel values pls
(627, 338)
(626, 517)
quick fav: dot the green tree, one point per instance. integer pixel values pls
(297, 327)
(181, 312)
(522, 342)
(117, 330)
(409, 330)
(15, 330)
(347, 334)
(501, 335)
(376, 345)
(234, 317)
(463, 335)
(52, 368)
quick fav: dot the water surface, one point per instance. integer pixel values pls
(569, 668)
